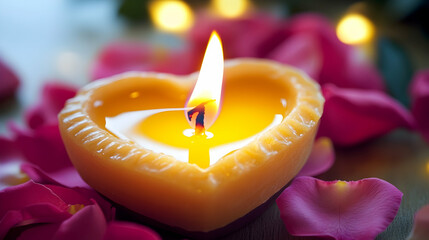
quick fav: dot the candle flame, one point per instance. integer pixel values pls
(208, 89)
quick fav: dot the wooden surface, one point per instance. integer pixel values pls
(49, 40)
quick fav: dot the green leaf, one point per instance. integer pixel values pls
(396, 68)
(134, 10)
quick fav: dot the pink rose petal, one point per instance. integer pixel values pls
(40, 232)
(359, 73)
(31, 216)
(421, 225)
(29, 203)
(241, 37)
(121, 57)
(16, 197)
(321, 159)
(124, 230)
(8, 150)
(87, 224)
(420, 102)
(43, 147)
(9, 82)
(180, 62)
(301, 51)
(84, 197)
(352, 116)
(95, 198)
(53, 97)
(338, 210)
(67, 177)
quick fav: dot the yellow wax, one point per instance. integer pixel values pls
(178, 193)
(241, 116)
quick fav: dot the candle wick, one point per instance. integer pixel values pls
(199, 121)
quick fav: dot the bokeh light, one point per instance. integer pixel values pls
(355, 29)
(171, 16)
(230, 8)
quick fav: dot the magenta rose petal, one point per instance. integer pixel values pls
(68, 177)
(301, 51)
(32, 215)
(53, 97)
(117, 230)
(9, 82)
(121, 57)
(338, 210)
(421, 225)
(8, 150)
(16, 197)
(95, 198)
(241, 37)
(179, 62)
(352, 116)
(40, 232)
(30, 203)
(420, 102)
(83, 197)
(86, 224)
(361, 73)
(321, 159)
(43, 147)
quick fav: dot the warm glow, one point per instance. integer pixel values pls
(171, 16)
(209, 83)
(230, 8)
(355, 29)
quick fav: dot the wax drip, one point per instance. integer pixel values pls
(199, 121)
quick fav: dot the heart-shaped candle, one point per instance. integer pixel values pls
(129, 138)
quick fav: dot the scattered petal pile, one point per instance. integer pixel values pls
(33, 210)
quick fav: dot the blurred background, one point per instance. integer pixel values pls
(59, 40)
